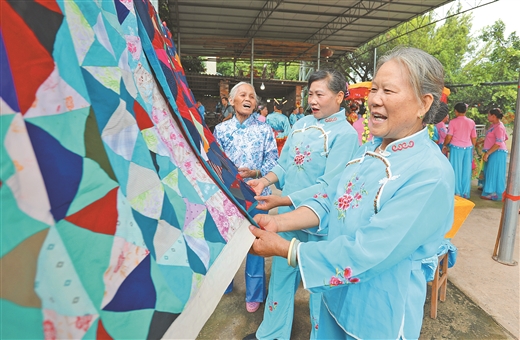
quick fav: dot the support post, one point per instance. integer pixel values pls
(319, 57)
(509, 223)
(252, 59)
(375, 62)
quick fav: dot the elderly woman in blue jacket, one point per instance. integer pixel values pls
(381, 212)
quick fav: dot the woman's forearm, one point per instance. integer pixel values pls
(301, 218)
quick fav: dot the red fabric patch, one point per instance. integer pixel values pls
(100, 216)
(142, 118)
(30, 62)
(102, 333)
(53, 6)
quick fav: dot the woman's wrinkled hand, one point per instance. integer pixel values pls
(268, 202)
(267, 222)
(245, 172)
(257, 185)
(268, 243)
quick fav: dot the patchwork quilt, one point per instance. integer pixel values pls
(120, 215)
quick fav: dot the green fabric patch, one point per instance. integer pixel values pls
(167, 301)
(66, 128)
(24, 322)
(15, 218)
(127, 325)
(90, 264)
(95, 183)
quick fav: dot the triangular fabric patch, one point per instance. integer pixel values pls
(176, 254)
(161, 321)
(58, 326)
(207, 189)
(102, 36)
(127, 227)
(72, 298)
(82, 34)
(145, 191)
(165, 232)
(101, 333)
(124, 258)
(110, 77)
(123, 142)
(60, 168)
(100, 216)
(139, 286)
(55, 96)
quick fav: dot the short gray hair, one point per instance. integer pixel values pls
(234, 91)
(426, 75)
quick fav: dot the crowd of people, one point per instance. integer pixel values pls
(361, 186)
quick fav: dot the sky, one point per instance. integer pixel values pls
(507, 10)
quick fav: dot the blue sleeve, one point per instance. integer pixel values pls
(386, 239)
(286, 127)
(218, 137)
(270, 152)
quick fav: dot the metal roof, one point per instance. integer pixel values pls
(285, 30)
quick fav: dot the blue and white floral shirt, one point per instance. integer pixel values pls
(250, 144)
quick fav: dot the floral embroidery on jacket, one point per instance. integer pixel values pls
(342, 277)
(320, 195)
(302, 155)
(351, 197)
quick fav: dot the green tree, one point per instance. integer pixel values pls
(450, 42)
(193, 64)
(496, 60)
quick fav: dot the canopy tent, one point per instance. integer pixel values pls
(286, 30)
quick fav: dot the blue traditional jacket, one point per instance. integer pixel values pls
(314, 147)
(280, 123)
(250, 144)
(293, 118)
(385, 213)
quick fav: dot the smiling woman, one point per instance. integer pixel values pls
(384, 212)
(250, 145)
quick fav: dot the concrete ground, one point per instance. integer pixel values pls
(482, 297)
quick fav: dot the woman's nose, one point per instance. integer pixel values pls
(374, 99)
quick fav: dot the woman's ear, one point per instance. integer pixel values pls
(427, 101)
(339, 97)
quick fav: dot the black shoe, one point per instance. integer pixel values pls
(251, 336)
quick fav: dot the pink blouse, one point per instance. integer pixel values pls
(462, 129)
(496, 134)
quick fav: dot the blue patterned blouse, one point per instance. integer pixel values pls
(250, 144)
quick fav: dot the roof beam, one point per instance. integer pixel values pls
(268, 9)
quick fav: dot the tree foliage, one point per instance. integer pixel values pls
(193, 64)
(497, 60)
(488, 58)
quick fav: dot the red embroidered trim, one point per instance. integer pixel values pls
(402, 146)
(328, 120)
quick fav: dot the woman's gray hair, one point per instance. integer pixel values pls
(426, 75)
(234, 91)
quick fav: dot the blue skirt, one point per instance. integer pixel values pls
(460, 159)
(494, 183)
